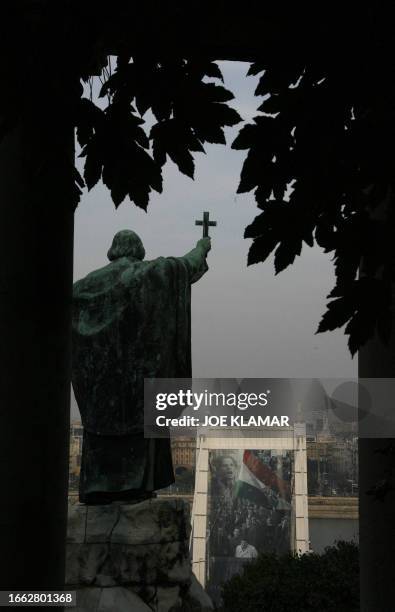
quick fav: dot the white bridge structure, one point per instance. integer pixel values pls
(293, 439)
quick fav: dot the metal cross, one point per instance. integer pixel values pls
(206, 223)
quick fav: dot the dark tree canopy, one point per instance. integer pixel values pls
(188, 111)
(327, 133)
(320, 155)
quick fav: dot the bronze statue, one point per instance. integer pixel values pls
(131, 320)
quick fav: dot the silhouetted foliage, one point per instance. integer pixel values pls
(309, 583)
(319, 153)
(317, 160)
(324, 137)
(188, 111)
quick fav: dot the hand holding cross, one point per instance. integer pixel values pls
(206, 223)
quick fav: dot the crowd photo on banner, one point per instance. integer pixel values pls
(250, 494)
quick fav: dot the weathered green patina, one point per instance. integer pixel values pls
(131, 320)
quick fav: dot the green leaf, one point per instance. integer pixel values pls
(159, 152)
(255, 69)
(140, 196)
(93, 164)
(272, 105)
(213, 70)
(175, 139)
(246, 138)
(143, 102)
(184, 161)
(118, 191)
(251, 174)
(88, 119)
(338, 312)
(216, 93)
(210, 133)
(261, 248)
(360, 328)
(286, 253)
(224, 114)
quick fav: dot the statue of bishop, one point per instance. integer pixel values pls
(131, 320)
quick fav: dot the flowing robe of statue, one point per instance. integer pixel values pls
(131, 320)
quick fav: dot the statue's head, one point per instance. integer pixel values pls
(126, 244)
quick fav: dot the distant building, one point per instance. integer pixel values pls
(332, 466)
(332, 460)
(183, 451)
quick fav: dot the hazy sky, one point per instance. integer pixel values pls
(246, 322)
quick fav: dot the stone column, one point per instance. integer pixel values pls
(376, 517)
(36, 260)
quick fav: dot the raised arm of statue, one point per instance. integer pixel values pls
(196, 259)
(130, 318)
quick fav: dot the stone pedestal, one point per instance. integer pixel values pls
(132, 558)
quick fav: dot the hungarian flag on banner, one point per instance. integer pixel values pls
(259, 483)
